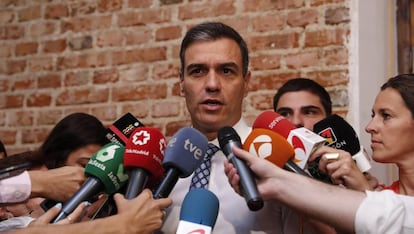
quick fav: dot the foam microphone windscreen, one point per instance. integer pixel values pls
(104, 171)
(184, 153)
(198, 212)
(120, 131)
(145, 149)
(269, 145)
(304, 141)
(275, 122)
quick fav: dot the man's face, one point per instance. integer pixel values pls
(302, 108)
(213, 84)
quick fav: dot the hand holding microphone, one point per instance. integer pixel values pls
(105, 172)
(228, 139)
(143, 157)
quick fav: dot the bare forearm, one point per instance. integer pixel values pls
(331, 204)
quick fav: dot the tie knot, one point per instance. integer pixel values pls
(211, 150)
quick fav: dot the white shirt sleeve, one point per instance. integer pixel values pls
(385, 212)
(15, 189)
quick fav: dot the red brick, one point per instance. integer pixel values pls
(25, 83)
(166, 71)
(29, 13)
(271, 81)
(12, 101)
(110, 38)
(140, 35)
(139, 109)
(330, 78)
(165, 109)
(14, 66)
(168, 33)
(139, 55)
(51, 80)
(105, 113)
(269, 5)
(27, 48)
(326, 37)
(8, 136)
(275, 41)
(83, 24)
(78, 8)
(7, 16)
(302, 59)
(302, 18)
(265, 62)
(56, 11)
(48, 117)
(6, 50)
(139, 92)
(337, 15)
(9, 32)
(42, 29)
(35, 135)
(77, 78)
(139, 72)
(109, 5)
(37, 64)
(140, 3)
(90, 60)
(105, 76)
(39, 100)
(197, 10)
(269, 22)
(85, 95)
(173, 126)
(132, 18)
(54, 46)
(337, 56)
(324, 2)
(263, 101)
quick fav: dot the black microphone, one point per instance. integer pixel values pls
(184, 153)
(229, 138)
(120, 131)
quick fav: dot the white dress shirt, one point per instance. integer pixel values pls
(385, 212)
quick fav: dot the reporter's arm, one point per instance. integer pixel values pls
(330, 204)
(142, 214)
(57, 184)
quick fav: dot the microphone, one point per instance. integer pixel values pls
(229, 138)
(183, 154)
(339, 134)
(143, 157)
(105, 172)
(272, 147)
(198, 212)
(304, 141)
(120, 131)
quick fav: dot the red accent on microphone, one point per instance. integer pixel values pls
(145, 149)
(269, 145)
(275, 122)
(118, 133)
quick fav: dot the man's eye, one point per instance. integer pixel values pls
(284, 113)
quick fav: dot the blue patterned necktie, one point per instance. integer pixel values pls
(202, 173)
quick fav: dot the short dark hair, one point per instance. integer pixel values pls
(71, 133)
(211, 31)
(404, 85)
(3, 149)
(305, 84)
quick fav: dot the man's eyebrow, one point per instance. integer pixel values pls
(284, 109)
(194, 65)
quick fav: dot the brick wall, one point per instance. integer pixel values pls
(112, 57)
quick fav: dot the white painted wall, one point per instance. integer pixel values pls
(372, 61)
